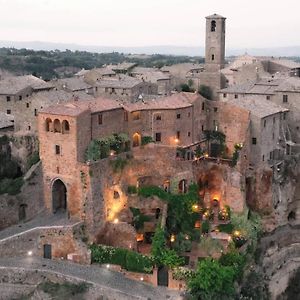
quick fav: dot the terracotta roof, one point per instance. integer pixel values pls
(175, 101)
(73, 84)
(13, 85)
(150, 74)
(258, 107)
(75, 108)
(121, 81)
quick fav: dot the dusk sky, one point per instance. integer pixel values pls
(255, 23)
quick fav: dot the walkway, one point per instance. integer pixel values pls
(42, 220)
(101, 277)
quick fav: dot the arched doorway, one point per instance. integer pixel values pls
(182, 186)
(59, 196)
(136, 140)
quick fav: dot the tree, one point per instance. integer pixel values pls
(212, 281)
(205, 91)
(158, 245)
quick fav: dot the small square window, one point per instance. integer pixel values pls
(178, 116)
(7, 98)
(285, 98)
(57, 149)
(8, 111)
(158, 117)
(215, 109)
(158, 137)
(254, 141)
(27, 105)
(236, 96)
(189, 134)
(224, 95)
(268, 97)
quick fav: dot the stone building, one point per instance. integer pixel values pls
(73, 84)
(15, 91)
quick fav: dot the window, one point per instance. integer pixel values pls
(265, 123)
(274, 120)
(189, 114)
(202, 127)
(27, 96)
(56, 126)
(48, 124)
(126, 116)
(29, 128)
(35, 112)
(268, 97)
(253, 141)
(106, 90)
(189, 134)
(158, 137)
(236, 96)
(273, 135)
(285, 98)
(7, 98)
(224, 95)
(158, 117)
(57, 149)
(284, 116)
(65, 126)
(113, 90)
(20, 97)
(178, 116)
(203, 107)
(213, 26)
(178, 135)
(215, 109)
(263, 158)
(212, 57)
(27, 105)
(100, 119)
(136, 115)
(8, 111)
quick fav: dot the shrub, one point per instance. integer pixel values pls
(118, 164)
(205, 227)
(132, 189)
(228, 228)
(33, 159)
(11, 186)
(183, 273)
(146, 140)
(205, 91)
(127, 259)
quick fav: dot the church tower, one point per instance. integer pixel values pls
(215, 43)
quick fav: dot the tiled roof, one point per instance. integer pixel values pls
(258, 107)
(121, 81)
(175, 101)
(122, 66)
(73, 84)
(13, 85)
(75, 108)
(150, 74)
(82, 72)
(286, 63)
(6, 120)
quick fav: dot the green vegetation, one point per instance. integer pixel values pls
(181, 218)
(146, 140)
(217, 139)
(11, 186)
(33, 159)
(47, 64)
(236, 154)
(132, 189)
(212, 281)
(118, 164)
(228, 228)
(138, 218)
(101, 148)
(64, 291)
(127, 259)
(210, 245)
(205, 91)
(186, 88)
(162, 256)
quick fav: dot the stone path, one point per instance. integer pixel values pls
(93, 274)
(42, 220)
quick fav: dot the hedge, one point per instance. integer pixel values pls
(127, 259)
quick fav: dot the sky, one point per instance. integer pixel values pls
(250, 23)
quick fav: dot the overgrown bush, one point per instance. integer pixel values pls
(138, 218)
(127, 259)
(33, 159)
(205, 91)
(118, 164)
(183, 273)
(11, 186)
(132, 189)
(146, 140)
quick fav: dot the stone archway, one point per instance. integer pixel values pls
(59, 196)
(136, 140)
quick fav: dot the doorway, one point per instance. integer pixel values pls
(59, 196)
(47, 251)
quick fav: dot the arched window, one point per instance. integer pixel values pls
(65, 126)
(136, 140)
(56, 126)
(48, 124)
(213, 26)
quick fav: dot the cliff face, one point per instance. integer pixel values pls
(280, 246)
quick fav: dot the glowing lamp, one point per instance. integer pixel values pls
(176, 140)
(29, 253)
(116, 221)
(197, 224)
(206, 155)
(173, 238)
(142, 279)
(236, 233)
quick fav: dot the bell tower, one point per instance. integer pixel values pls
(215, 43)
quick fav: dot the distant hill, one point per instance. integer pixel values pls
(163, 49)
